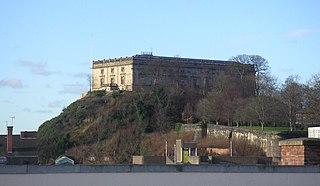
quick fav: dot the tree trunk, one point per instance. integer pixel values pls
(291, 127)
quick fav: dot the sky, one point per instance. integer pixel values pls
(46, 47)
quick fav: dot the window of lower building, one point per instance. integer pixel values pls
(192, 152)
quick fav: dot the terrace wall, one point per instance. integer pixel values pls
(268, 141)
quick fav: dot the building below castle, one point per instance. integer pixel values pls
(19, 149)
(141, 72)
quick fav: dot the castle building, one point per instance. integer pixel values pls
(141, 72)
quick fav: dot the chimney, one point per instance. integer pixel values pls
(9, 140)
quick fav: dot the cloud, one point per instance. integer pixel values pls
(74, 89)
(36, 68)
(81, 75)
(44, 111)
(299, 32)
(13, 83)
(8, 101)
(26, 110)
(55, 104)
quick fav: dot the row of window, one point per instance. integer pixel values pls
(194, 82)
(112, 80)
(169, 71)
(112, 70)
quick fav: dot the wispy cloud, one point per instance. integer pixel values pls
(12, 83)
(55, 104)
(26, 110)
(8, 101)
(299, 32)
(81, 75)
(44, 111)
(37, 68)
(74, 89)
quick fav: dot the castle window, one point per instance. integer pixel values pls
(102, 71)
(112, 70)
(101, 81)
(112, 80)
(195, 83)
(122, 69)
(123, 80)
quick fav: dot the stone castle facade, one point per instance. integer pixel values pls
(141, 72)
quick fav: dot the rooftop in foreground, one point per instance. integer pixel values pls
(34, 169)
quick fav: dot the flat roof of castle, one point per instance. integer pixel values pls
(149, 57)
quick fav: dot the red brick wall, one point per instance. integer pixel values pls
(292, 155)
(9, 140)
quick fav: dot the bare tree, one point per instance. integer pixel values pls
(292, 97)
(312, 106)
(222, 102)
(268, 85)
(209, 108)
(261, 67)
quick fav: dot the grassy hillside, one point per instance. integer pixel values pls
(111, 128)
(99, 119)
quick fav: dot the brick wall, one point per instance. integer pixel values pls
(300, 151)
(9, 140)
(292, 155)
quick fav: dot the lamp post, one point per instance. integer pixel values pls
(12, 117)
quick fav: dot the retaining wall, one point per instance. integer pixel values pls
(268, 141)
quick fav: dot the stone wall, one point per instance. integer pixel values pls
(198, 130)
(116, 71)
(142, 72)
(148, 160)
(268, 141)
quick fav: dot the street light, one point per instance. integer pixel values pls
(12, 117)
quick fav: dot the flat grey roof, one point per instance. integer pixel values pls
(34, 169)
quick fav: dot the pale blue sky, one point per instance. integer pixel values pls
(45, 46)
